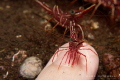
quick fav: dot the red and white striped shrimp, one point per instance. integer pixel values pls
(113, 4)
(73, 52)
(69, 20)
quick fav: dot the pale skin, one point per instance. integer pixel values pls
(79, 71)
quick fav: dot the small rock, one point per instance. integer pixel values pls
(1, 8)
(31, 67)
(8, 6)
(18, 36)
(26, 11)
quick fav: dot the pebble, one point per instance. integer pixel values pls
(31, 67)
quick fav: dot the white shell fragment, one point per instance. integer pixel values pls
(48, 27)
(31, 67)
(91, 36)
(93, 24)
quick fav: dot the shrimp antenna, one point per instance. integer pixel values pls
(81, 31)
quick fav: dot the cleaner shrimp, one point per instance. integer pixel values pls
(73, 51)
(69, 20)
(113, 4)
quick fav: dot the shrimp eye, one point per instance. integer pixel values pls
(72, 12)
